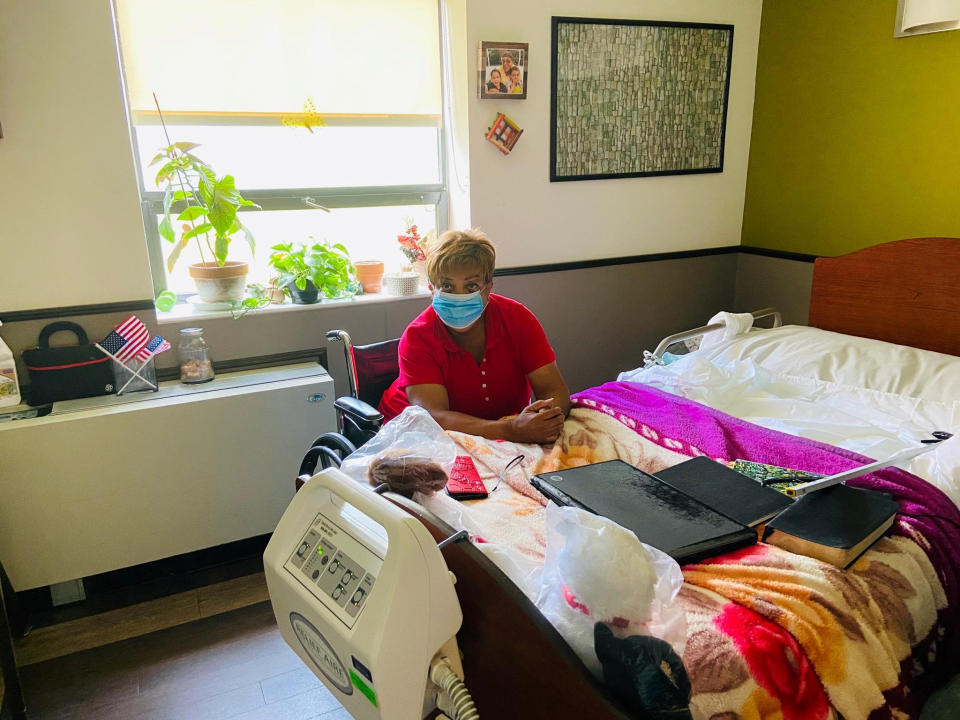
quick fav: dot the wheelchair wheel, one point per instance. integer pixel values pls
(329, 450)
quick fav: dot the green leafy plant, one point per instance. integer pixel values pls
(257, 296)
(205, 205)
(326, 265)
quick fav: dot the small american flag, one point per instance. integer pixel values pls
(129, 337)
(154, 347)
(112, 342)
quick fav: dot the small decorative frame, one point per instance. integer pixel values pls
(632, 98)
(504, 133)
(498, 64)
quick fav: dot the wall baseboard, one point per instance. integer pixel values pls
(781, 254)
(622, 260)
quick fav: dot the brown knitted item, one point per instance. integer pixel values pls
(406, 473)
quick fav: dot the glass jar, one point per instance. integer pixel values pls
(195, 363)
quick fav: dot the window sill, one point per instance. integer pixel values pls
(185, 311)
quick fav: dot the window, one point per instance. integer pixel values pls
(247, 82)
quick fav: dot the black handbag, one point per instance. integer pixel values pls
(65, 373)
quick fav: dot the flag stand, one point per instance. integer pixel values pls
(132, 375)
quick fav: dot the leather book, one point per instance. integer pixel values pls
(725, 490)
(659, 514)
(836, 524)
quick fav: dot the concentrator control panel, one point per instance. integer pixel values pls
(336, 567)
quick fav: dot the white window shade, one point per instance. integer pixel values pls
(360, 62)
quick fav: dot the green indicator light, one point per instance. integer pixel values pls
(364, 688)
(319, 550)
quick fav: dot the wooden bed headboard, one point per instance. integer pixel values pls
(905, 292)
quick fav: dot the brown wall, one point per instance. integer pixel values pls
(769, 281)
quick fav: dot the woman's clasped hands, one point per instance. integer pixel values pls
(539, 422)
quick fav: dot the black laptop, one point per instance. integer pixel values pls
(658, 513)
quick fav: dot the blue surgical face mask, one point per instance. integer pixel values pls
(458, 311)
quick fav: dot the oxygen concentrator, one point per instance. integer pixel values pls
(362, 594)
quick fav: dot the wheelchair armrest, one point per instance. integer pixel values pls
(363, 414)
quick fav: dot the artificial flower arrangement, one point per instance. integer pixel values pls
(414, 247)
(411, 244)
(413, 271)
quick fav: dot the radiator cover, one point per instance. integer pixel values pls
(107, 483)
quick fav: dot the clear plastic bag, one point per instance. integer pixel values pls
(598, 571)
(412, 440)
(522, 570)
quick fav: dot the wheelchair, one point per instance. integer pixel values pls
(371, 369)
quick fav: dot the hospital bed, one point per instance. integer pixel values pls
(883, 628)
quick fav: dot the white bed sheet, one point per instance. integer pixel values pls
(854, 361)
(792, 399)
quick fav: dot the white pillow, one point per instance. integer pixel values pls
(845, 359)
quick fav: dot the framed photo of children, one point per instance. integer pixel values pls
(502, 70)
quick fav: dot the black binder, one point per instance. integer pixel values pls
(725, 490)
(659, 514)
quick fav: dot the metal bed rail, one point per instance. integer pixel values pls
(655, 357)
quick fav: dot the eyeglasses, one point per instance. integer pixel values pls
(518, 460)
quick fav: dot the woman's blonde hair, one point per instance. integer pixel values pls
(457, 249)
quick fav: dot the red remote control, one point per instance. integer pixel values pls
(464, 482)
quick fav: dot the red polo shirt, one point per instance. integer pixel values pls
(515, 346)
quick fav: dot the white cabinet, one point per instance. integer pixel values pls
(106, 483)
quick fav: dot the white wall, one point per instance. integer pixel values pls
(533, 221)
(70, 226)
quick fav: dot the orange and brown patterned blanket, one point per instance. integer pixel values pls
(771, 634)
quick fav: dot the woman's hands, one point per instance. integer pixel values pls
(539, 422)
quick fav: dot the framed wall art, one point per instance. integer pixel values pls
(502, 70)
(631, 98)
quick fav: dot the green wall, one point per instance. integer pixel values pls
(856, 134)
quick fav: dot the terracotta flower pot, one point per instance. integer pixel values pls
(370, 275)
(220, 283)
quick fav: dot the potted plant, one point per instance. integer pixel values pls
(305, 271)
(206, 207)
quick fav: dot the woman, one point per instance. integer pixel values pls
(472, 358)
(495, 84)
(506, 65)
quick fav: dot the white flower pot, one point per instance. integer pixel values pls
(220, 283)
(403, 283)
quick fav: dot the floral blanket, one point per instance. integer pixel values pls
(771, 634)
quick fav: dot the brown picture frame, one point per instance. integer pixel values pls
(496, 59)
